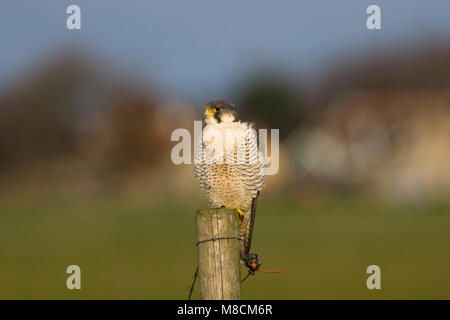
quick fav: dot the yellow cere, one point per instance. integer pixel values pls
(209, 112)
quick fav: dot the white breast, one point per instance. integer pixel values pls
(232, 184)
(227, 142)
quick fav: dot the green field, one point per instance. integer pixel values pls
(144, 250)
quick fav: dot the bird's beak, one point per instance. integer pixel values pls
(208, 113)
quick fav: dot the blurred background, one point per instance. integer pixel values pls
(86, 117)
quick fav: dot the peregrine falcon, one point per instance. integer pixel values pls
(230, 167)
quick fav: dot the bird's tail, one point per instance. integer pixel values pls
(246, 230)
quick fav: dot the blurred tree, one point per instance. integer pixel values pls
(135, 141)
(36, 117)
(271, 103)
(72, 116)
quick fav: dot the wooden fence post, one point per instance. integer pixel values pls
(218, 260)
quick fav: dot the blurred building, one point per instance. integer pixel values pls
(386, 127)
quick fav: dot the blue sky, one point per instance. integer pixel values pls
(199, 48)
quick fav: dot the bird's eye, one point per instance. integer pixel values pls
(217, 109)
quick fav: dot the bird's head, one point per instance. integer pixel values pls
(220, 111)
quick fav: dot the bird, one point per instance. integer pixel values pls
(229, 166)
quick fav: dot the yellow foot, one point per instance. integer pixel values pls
(241, 214)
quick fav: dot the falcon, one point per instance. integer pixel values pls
(230, 167)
